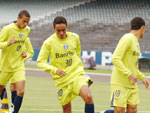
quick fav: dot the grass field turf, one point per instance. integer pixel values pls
(88, 70)
(40, 97)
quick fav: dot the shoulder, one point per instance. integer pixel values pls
(73, 35)
(126, 37)
(50, 39)
(27, 28)
(7, 27)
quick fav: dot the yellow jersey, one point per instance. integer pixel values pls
(64, 54)
(11, 56)
(126, 60)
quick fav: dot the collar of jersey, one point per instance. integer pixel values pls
(64, 38)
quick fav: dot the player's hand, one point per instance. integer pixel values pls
(61, 72)
(24, 55)
(133, 79)
(11, 41)
(146, 82)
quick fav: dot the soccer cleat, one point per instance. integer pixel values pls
(90, 82)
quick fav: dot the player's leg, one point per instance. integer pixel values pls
(18, 79)
(65, 98)
(13, 92)
(86, 94)
(119, 97)
(67, 108)
(133, 100)
(119, 109)
(20, 93)
(13, 96)
(87, 97)
(131, 108)
(2, 94)
(80, 86)
(2, 91)
(4, 78)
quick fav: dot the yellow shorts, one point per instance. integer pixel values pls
(69, 92)
(13, 77)
(121, 96)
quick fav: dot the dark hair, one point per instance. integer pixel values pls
(59, 20)
(137, 23)
(24, 13)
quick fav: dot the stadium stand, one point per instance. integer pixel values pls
(100, 23)
(144, 64)
(37, 8)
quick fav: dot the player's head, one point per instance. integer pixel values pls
(23, 19)
(138, 24)
(60, 26)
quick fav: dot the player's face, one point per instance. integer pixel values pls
(142, 31)
(60, 30)
(23, 21)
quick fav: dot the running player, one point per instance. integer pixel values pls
(16, 48)
(124, 91)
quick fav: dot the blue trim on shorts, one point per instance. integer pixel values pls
(112, 101)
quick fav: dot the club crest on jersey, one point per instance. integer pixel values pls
(66, 47)
(20, 35)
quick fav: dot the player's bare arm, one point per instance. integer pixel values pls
(11, 41)
(146, 82)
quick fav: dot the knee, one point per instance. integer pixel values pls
(12, 87)
(119, 110)
(89, 99)
(20, 92)
(67, 110)
(132, 110)
(135, 110)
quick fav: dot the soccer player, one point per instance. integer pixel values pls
(16, 48)
(66, 66)
(124, 90)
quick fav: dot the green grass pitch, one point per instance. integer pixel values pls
(40, 97)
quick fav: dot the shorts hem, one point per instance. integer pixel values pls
(17, 81)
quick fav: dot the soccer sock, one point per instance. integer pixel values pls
(89, 108)
(17, 103)
(2, 94)
(13, 96)
(109, 111)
